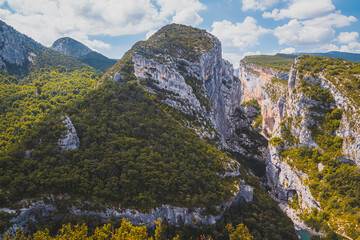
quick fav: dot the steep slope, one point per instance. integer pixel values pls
(70, 47)
(184, 68)
(145, 144)
(73, 48)
(264, 79)
(15, 50)
(312, 157)
(43, 80)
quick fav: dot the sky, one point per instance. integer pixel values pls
(244, 27)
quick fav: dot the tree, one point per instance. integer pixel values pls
(240, 233)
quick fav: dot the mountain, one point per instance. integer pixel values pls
(310, 115)
(162, 135)
(71, 47)
(354, 57)
(35, 80)
(16, 50)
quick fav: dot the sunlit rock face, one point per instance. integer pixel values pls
(257, 84)
(69, 139)
(15, 49)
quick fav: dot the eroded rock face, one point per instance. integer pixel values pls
(205, 89)
(350, 126)
(285, 181)
(13, 49)
(69, 139)
(175, 215)
(257, 84)
(299, 114)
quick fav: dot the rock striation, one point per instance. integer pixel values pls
(177, 216)
(205, 89)
(265, 86)
(15, 50)
(69, 139)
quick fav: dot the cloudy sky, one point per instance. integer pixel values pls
(244, 27)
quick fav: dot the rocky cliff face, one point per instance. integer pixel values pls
(202, 86)
(15, 50)
(176, 216)
(207, 89)
(304, 114)
(268, 87)
(69, 139)
(71, 47)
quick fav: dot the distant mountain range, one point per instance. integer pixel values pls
(354, 57)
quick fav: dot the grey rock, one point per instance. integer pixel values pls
(14, 49)
(70, 47)
(69, 139)
(250, 111)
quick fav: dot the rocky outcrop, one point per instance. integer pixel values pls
(302, 112)
(15, 50)
(205, 89)
(265, 86)
(69, 139)
(286, 181)
(70, 47)
(177, 216)
(350, 126)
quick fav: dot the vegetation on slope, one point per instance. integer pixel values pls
(158, 161)
(54, 80)
(275, 89)
(97, 61)
(126, 231)
(271, 61)
(337, 186)
(178, 41)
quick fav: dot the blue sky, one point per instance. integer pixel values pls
(245, 27)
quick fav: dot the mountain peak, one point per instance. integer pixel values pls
(71, 47)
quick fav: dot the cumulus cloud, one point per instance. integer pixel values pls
(240, 35)
(257, 4)
(347, 37)
(233, 58)
(315, 31)
(184, 12)
(288, 50)
(47, 20)
(302, 9)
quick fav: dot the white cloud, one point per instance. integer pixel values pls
(302, 9)
(240, 35)
(233, 58)
(347, 37)
(288, 50)
(257, 4)
(47, 20)
(316, 31)
(331, 20)
(96, 44)
(296, 33)
(184, 11)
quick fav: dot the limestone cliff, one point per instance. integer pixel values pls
(268, 87)
(15, 50)
(201, 85)
(314, 102)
